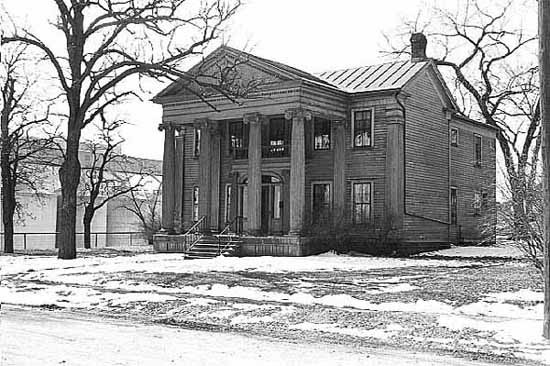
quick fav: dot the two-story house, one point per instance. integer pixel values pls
(375, 150)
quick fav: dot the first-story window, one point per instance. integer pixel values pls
(322, 200)
(195, 204)
(362, 128)
(243, 201)
(454, 206)
(228, 198)
(197, 142)
(477, 203)
(321, 134)
(362, 202)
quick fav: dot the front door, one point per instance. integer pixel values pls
(272, 205)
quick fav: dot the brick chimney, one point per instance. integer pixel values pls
(418, 47)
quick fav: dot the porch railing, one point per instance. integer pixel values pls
(195, 232)
(226, 237)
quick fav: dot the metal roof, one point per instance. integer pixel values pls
(392, 75)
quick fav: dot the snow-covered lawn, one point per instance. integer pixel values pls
(467, 306)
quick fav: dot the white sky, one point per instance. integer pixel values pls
(313, 35)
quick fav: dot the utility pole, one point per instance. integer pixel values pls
(544, 69)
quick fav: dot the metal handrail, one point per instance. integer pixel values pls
(195, 225)
(223, 234)
(194, 234)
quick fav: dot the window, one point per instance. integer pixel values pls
(454, 136)
(362, 194)
(243, 201)
(484, 200)
(195, 204)
(197, 142)
(362, 128)
(477, 203)
(228, 198)
(276, 140)
(277, 201)
(481, 202)
(238, 140)
(454, 206)
(477, 151)
(321, 134)
(321, 201)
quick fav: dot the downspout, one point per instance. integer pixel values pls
(403, 111)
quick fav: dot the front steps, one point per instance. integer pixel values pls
(210, 246)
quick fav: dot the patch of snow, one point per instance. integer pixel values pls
(477, 252)
(243, 319)
(521, 295)
(200, 301)
(153, 263)
(502, 310)
(384, 333)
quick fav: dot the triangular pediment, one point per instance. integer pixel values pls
(227, 67)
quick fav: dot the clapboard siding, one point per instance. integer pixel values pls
(191, 176)
(468, 178)
(427, 162)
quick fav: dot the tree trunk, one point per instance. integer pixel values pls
(8, 174)
(69, 176)
(87, 221)
(544, 61)
(8, 210)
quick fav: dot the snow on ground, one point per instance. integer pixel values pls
(380, 333)
(174, 263)
(473, 252)
(509, 318)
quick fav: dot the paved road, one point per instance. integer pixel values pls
(33, 337)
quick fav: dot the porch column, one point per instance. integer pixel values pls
(179, 181)
(395, 170)
(168, 174)
(254, 120)
(339, 177)
(233, 204)
(205, 190)
(215, 158)
(297, 169)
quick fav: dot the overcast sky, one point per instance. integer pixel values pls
(313, 35)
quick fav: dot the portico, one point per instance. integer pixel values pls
(251, 173)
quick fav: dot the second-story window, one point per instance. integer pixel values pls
(276, 142)
(477, 151)
(321, 134)
(238, 139)
(197, 142)
(362, 128)
(454, 136)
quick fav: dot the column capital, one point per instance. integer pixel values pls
(300, 113)
(202, 123)
(338, 123)
(169, 126)
(252, 118)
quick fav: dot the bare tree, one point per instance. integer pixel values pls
(489, 57)
(108, 47)
(24, 142)
(145, 205)
(106, 174)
